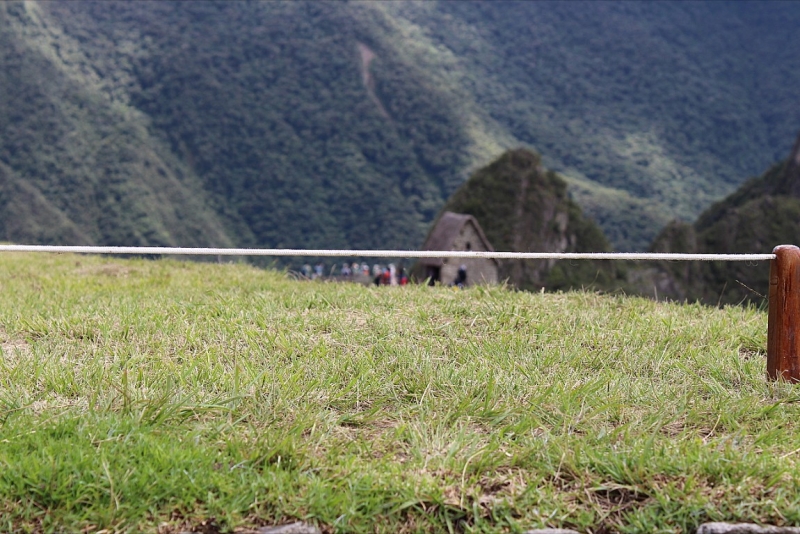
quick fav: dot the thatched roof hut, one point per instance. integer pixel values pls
(456, 231)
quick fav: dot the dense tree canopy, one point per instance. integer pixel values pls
(327, 124)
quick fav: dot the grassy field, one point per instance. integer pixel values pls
(163, 395)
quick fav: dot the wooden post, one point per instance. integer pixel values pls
(783, 341)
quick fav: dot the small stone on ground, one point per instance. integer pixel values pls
(744, 528)
(291, 528)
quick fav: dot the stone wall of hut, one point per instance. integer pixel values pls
(479, 270)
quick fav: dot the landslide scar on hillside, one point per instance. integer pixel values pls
(367, 56)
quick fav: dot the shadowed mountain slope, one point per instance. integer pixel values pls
(763, 213)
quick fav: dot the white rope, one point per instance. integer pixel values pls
(388, 253)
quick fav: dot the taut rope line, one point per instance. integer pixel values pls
(388, 253)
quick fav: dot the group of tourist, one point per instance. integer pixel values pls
(389, 275)
(381, 275)
(318, 271)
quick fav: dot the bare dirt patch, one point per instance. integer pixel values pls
(114, 270)
(367, 57)
(751, 353)
(13, 347)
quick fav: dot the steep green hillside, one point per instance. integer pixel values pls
(78, 165)
(265, 107)
(523, 207)
(664, 105)
(326, 124)
(763, 213)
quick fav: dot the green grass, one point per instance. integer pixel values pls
(163, 395)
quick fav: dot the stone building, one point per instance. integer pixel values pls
(454, 231)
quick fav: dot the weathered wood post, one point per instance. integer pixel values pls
(783, 337)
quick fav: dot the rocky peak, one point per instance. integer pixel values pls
(524, 207)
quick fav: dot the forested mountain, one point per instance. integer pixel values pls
(760, 215)
(348, 124)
